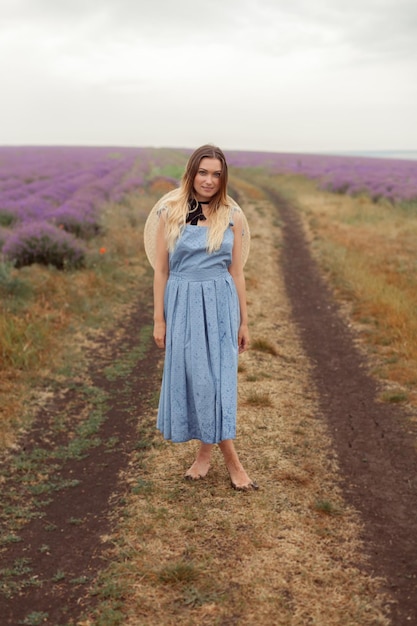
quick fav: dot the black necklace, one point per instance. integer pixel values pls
(195, 213)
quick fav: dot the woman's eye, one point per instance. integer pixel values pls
(217, 174)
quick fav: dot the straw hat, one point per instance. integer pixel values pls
(151, 227)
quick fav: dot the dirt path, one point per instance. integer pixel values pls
(374, 442)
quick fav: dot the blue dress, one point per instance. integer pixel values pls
(198, 397)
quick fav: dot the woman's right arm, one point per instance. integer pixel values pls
(160, 280)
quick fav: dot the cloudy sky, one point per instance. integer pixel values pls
(281, 75)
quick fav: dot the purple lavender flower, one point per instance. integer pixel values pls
(41, 242)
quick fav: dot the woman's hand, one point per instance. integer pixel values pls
(159, 331)
(243, 338)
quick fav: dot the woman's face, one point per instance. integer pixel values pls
(207, 179)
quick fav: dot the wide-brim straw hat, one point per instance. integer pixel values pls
(151, 227)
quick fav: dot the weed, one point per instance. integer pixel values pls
(109, 589)
(81, 580)
(257, 398)
(51, 486)
(75, 521)
(110, 616)
(35, 618)
(10, 539)
(58, 576)
(10, 284)
(143, 444)
(263, 345)
(112, 442)
(394, 396)
(326, 507)
(254, 378)
(142, 486)
(181, 572)
(44, 548)
(194, 597)
(20, 567)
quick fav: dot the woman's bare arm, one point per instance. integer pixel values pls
(236, 270)
(161, 274)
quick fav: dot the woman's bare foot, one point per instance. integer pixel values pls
(201, 465)
(238, 476)
(197, 470)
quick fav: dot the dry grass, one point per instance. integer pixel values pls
(369, 254)
(200, 553)
(264, 345)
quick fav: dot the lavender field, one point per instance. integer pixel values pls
(391, 179)
(51, 198)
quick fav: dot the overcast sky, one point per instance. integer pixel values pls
(280, 75)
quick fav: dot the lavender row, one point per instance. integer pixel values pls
(392, 179)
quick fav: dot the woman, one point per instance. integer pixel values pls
(200, 315)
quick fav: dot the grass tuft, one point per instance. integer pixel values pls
(263, 345)
(259, 399)
(181, 572)
(35, 618)
(326, 507)
(394, 396)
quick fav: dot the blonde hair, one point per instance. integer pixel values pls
(177, 202)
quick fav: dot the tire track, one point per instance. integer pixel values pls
(373, 441)
(61, 550)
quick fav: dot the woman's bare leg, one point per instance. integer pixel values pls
(238, 476)
(201, 465)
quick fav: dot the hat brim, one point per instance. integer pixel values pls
(151, 227)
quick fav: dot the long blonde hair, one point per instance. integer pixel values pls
(177, 202)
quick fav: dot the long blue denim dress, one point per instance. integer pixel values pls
(198, 397)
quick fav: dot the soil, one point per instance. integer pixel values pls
(374, 443)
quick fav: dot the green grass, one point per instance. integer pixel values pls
(122, 367)
(35, 618)
(326, 507)
(394, 397)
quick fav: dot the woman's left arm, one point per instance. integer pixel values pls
(236, 270)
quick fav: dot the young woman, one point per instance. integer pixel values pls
(200, 315)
